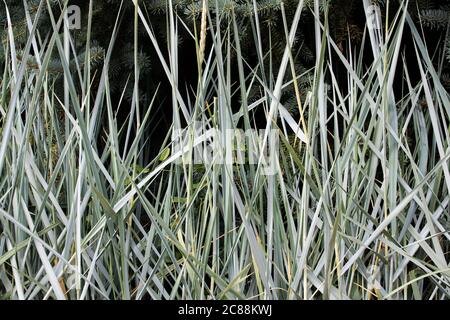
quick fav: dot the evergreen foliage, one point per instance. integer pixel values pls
(344, 22)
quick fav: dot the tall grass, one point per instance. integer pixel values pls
(358, 207)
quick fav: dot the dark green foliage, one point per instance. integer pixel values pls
(344, 20)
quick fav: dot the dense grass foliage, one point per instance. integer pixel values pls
(357, 208)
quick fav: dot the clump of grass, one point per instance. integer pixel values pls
(357, 208)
